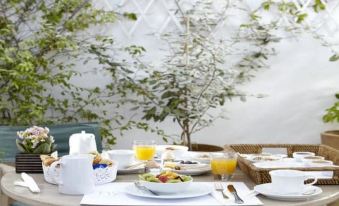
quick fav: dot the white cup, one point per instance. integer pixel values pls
(76, 174)
(123, 157)
(298, 156)
(290, 181)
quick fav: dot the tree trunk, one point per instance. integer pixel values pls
(186, 135)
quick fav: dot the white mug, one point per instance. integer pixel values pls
(298, 156)
(82, 143)
(124, 157)
(290, 181)
(76, 174)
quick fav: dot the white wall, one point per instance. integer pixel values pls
(299, 86)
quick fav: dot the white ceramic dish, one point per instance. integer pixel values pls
(178, 150)
(167, 188)
(192, 169)
(193, 172)
(123, 157)
(273, 193)
(138, 170)
(202, 157)
(196, 189)
(309, 159)
(300, 155)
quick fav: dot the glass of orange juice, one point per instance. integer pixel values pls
(224, 164)
(144, 149)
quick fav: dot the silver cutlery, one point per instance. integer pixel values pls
(232, 190)
(140, 187)
(218, 187)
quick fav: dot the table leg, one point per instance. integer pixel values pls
(5, 200)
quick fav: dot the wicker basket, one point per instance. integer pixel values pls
(261, 175)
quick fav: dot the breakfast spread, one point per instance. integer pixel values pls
(98, 160)
(47, 160)
(165, 177)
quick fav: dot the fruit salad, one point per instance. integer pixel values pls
(165, 177)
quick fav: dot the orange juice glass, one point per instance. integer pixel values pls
(144, 150)
(224, 164)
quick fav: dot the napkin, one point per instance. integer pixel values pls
(114, 194)
(29, 182)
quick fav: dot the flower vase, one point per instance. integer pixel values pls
(30, 163)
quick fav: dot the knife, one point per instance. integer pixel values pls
(232, 190)
(30, 183)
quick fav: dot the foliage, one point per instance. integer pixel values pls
(204, 70)
(332, 113)
(40, 41)
(200, 75)
(35, 140)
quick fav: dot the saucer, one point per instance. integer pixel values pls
(270, 192)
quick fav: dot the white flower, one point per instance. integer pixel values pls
(51, 139)
(35, 143)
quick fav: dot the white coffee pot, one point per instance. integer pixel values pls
(82, 143)
(76, 174)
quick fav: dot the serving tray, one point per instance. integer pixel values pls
(261, 175)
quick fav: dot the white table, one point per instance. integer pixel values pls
(49, 195)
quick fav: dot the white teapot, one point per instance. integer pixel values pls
(82, 143)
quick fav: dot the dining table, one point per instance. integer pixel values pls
(49, 195)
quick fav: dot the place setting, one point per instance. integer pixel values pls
(288, 185)
(164, 186)
(172, 175)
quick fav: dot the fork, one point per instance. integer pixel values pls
(140, 187)
(218, 187)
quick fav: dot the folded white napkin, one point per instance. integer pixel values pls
(114, 194)
(28, 182)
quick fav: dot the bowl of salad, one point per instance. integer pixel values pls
(166, 182)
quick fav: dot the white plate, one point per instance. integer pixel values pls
(138, 170)
(193, 171)
(202, 157)
(196, 189)
(268, 191)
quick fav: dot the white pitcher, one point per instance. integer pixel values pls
(76, 174)
(82, 143)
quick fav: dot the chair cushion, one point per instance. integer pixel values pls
(60, 132)
(18, 204)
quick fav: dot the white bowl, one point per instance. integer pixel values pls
(124, 157)
(167, 188)
(298, 156)
(178, 150)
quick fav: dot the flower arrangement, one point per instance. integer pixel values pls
(35, 140)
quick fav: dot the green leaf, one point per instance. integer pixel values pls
(266, 5)
(43, 148)
(131, 16)
(334, 57)
(301, 17)
(20, 146)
